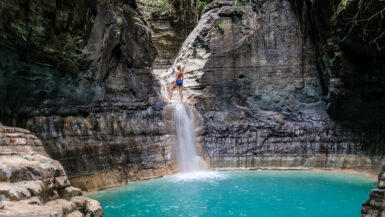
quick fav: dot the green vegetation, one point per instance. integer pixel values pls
(21, 31)
(237, 4)
(221, 25)
(201, 4)
(154, 8)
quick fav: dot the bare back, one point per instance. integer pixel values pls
(179, 75)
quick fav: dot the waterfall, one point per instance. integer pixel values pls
(188, 159)
(190, 164)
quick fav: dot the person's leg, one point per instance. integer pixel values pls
(170, 92)
(181, 93)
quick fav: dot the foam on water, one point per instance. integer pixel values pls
(197, 176)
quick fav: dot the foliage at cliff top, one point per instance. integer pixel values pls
(156, 8)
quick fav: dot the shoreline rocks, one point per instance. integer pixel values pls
(33, 184)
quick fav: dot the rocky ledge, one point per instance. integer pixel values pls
(375, 206)
(33, 184)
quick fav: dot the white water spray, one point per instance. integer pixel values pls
(188, 159)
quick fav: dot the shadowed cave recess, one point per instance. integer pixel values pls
(274, 84)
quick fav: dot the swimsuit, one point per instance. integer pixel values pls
(179, 82)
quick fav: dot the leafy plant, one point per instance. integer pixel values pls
(221, 25)
(161, 1)
(237, 4)
(21, 31)
(201, 3)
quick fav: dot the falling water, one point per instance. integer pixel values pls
(189, 162)
(188, 159)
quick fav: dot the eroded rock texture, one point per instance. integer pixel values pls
(33, 184)
(252, 72)
(170, 22)
(78, 75)
(375, 206)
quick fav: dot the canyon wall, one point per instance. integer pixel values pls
(270, 91)
(253, 73)
(78, 75)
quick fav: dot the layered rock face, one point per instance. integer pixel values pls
(375, 206)
(253, 75)
(78, 75)
(170, 22)
(33, 184)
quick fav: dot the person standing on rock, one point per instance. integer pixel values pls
(178, 83)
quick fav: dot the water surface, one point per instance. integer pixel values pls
(241, 193)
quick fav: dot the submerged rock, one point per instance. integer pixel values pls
(33, 184)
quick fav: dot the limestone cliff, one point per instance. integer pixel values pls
(33, 184)
(78, 75)
(170, 22)
(375, 206)
(270, 92)
(252, 72)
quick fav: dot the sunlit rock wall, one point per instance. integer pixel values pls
(170, 22)
(33, 184)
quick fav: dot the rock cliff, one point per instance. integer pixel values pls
(375, 206)
(251, 70)
(78, 75)
(350, 51)
(270, 91)
(170, 22)
(33, 184)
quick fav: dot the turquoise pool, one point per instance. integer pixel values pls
(241, 193)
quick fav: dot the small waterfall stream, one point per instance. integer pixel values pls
(188, 159)
(183, 118)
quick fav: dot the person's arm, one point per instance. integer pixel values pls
(176, 77)
(182, 75)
